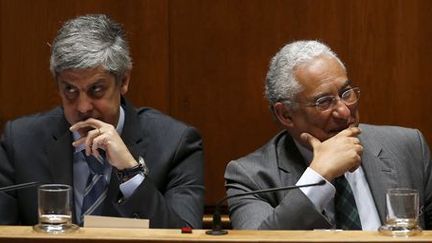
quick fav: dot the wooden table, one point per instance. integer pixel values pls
(17, 234)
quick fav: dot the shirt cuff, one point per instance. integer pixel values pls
(128, 187)
(318, 195)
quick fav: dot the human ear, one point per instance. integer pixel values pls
(125, 82)
(283, 114)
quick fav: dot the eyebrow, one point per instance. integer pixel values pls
(65, 83)
(320, 95)
(97, 82)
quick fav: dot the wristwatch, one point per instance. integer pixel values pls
(140, 168)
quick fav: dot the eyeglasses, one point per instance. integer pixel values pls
(348, 97)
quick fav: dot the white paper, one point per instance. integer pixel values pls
(91, 221)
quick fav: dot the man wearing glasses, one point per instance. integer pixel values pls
(313, 99)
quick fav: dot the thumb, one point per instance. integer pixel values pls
(309, 139)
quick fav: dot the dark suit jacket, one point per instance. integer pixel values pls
(39, 148)
(392, 157)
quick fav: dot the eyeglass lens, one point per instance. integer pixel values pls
(349, 97)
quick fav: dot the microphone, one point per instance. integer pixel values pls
(217, 224)
(19, 186)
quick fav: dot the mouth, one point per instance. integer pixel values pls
(340, 128)
(336, 131)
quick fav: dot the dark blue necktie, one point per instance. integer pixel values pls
(346, 214)
(96, 187)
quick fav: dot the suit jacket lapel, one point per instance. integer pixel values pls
(60, 154)
(289, 160)
(379, 172)
(133, 134)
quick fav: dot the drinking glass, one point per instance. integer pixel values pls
(402, 206)
(54, 209)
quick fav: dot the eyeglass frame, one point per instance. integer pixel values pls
(333, 100)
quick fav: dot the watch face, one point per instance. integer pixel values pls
(145, 169)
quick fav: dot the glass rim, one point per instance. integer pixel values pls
(402, 190)
(54, 187)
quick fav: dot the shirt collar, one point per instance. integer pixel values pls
(119, 129)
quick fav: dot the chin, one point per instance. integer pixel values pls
(354, 124)
(328, 136)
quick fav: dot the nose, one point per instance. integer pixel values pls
(84, 104)
(341, 110)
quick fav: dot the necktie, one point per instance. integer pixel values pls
(346, 214)
(96, 188)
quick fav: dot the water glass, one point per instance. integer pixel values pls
(402, 206)
(54, 209)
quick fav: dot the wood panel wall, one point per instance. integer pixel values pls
(204, 62)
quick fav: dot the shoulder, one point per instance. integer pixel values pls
(153, 120)
(162, 130)
(154, 117)
(400, 141)
(36, 123)
(391, 135)
(394, 131)
(33, 132)
(268, 149)
(263, 159)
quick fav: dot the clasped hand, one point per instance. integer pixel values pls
(336, 155)
(95, 135)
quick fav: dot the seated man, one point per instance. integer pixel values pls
(317, 105)
(149, 165)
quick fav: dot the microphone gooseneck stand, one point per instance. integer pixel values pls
(217, 222)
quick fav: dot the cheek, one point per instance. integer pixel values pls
(69, 113)
(103, 105)
(318, 120)
(355, 112)
(105, 109)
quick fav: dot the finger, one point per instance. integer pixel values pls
(309, 139)
(355, 140)
(81, 126)
(355, 131)
(91, 122)
(95, 152)
(100, 142)
(350, 132)
(359, 149)
(89, 143)
(357, 164)
(79, 142)
(353, 168)
(100, 146)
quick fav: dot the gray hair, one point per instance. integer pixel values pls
(90, 41)
(281, 84)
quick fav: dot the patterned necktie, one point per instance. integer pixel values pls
(346, 214)
(96, 188)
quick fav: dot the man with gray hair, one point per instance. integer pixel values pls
(317, 105)
(120, 161)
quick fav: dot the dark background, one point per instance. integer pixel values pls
(204, 61)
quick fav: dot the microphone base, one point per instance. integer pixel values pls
(217, 232)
